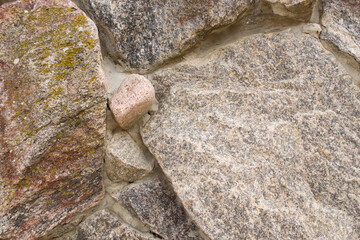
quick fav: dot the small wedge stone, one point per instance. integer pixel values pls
(132, 100)
(125, 160)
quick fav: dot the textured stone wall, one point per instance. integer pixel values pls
(254, 132)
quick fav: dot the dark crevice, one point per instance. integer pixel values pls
(348, 62)
(155, 234)
(6, 1)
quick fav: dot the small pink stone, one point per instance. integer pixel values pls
(132, 100)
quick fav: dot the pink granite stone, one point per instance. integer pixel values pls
(132, 100)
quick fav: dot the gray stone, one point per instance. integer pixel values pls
(124, 160)
(155, 204)
(143, 34)
(262, 140)
(52, 116)
(106, 225)
(341, 25)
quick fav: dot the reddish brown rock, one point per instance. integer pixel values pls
(132, 100)
(52, 116)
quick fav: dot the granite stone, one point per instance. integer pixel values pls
(261, 140)
(141, 35)
(300, 9)
(341, 25)
(125, 160)
(52, 116)
(106, 225)
(155, 204)
(132, 100)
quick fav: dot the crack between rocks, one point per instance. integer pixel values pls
(6, 1)
(155, 234)
(348, 62)
(224, 36)
(160, 173)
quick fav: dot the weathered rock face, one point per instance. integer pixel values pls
(143, 34)
(341, 25)
(262, 140)
(106, 225)
(52, 116)
(124, 159)
(155, 204)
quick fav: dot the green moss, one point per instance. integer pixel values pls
(57, 52)
(53, 171)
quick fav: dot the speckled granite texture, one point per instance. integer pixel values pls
(256, 134)
(132, 100)
(52, 116)
(341, 25)
(125, 160)
(261, 140)
(105, 225)
(143, 34)
(155, 204)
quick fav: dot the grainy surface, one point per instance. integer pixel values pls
(143, 34)
(261, 140)
(105, 225)
(52, 116)
(125, 161)
(155, 204)
(132, 100)
(341, 25)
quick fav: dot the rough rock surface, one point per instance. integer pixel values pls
(341, 25)
(132, 100)
(143, 34)
(124, 159)
(261, 141)
(105, 225)
(301, 9)
(156, 205)
(52, 116)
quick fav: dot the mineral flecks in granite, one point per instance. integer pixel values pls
(52, 116)
(106, 225)
(341, 25)
(155, 204)
(261, 141)
(125, 160)
(141, 35)
(132, 100)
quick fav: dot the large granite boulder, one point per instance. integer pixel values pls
(261, 141)
(52, 116)
(143, 34)
(341, 25)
